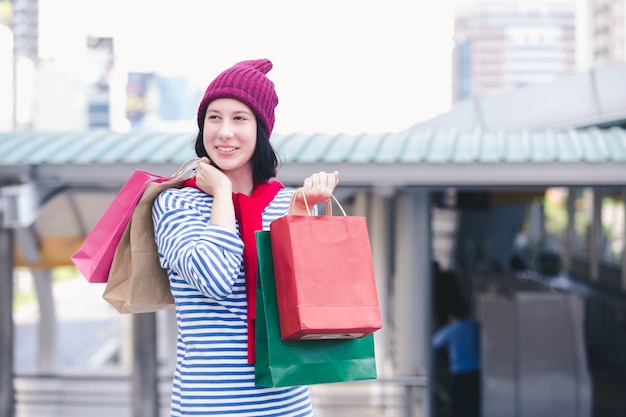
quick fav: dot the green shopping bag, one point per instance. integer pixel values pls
(281, 363)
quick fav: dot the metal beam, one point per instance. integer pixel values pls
(420, 173)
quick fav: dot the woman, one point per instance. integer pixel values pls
(205, 236)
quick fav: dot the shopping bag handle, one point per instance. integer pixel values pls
(188, 164)
(329, 207)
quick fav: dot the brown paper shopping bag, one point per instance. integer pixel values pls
(137, 283)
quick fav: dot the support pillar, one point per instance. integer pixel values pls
(7, 330)
(536, 231)
(47, 320)
(363, 206)
(145, 367)
(570, 232)
(624, 246)
(412, 286)
(380, 222)
(595, 231)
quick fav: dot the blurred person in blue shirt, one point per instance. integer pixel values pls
(460, 336)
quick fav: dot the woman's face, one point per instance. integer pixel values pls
(229, 135)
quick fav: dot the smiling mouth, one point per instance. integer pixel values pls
(225, 149)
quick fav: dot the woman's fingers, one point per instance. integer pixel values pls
(322, 180)
(210, 179)
(319, 186)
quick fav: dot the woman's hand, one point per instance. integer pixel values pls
(211, 180)
(214, 182)
(317, 188)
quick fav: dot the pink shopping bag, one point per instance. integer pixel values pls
(95, 256)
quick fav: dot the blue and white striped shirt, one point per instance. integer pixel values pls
(205, 268)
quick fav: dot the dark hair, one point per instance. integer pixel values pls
(264, 159)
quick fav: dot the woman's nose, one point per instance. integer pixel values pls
(226, 130)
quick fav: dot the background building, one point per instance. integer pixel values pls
(500, 46)
(6, 78)
(25, 25)
(605, 31)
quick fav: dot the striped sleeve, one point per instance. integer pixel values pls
(207, 256)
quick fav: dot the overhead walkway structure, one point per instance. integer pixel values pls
(55, 186)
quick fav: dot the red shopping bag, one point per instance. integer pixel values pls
(325, 282)
(94, 257)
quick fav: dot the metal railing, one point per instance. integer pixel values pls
(106, 394)
(390, 397)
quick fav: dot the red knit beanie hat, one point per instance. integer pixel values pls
(246, 82)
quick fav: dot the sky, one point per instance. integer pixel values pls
(340, 66)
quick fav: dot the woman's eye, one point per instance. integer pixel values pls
(212, 117)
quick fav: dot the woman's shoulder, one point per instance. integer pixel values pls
(280, 204)
(184, 192)
(283, 197)
(285, 193)
(183, 196)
